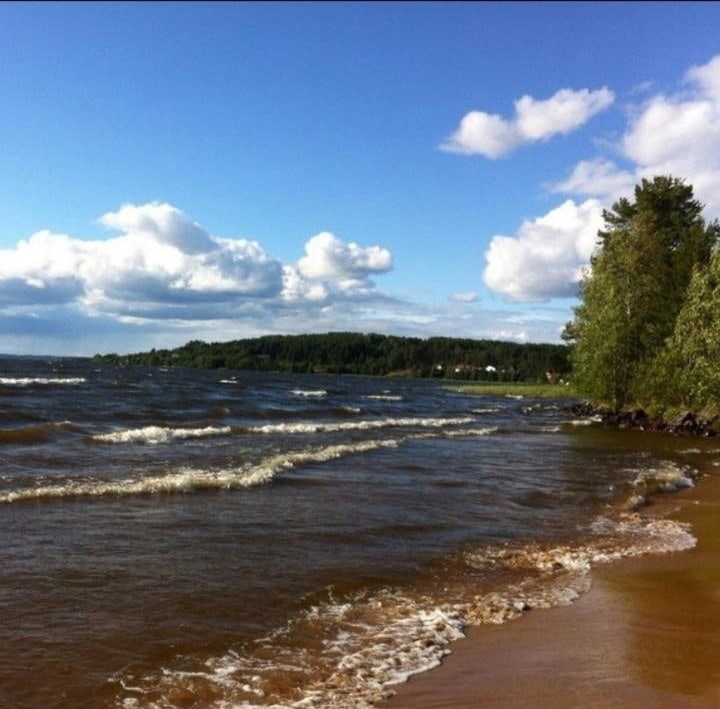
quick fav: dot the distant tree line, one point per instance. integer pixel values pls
(371, 354)
(647, 330)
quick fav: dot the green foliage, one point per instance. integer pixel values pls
(634, 291)
(693, 352)
(355, 353)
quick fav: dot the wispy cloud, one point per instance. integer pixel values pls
(598, 178)
(469, 297)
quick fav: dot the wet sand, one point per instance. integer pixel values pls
(647, 634)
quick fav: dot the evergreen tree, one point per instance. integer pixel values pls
(635, 288)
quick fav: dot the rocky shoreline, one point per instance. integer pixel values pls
(686, 424)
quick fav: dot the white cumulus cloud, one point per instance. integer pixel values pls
(163, 266)
(680, 134)
(326, 256)
(491, 135)
(333, 266)
(669, 134)
(546, 257)
(162, 223)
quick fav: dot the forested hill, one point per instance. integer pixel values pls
(354, 353)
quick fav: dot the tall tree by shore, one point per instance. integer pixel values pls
(690, 368)
(634, 290)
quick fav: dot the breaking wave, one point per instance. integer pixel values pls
(190, 480)
(313, 427)
(310, 393)
(160, 434)
(30, 381)
(665, 477)
(369, 641)
(153, 435)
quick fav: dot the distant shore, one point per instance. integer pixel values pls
(646, 634)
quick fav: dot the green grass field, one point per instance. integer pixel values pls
(547, 391)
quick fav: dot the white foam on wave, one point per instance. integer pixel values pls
(642, 535)
(698, 451)
(310, 393)
(469, 432)
(29, 381)
(366, 643)
(316, 427)
(160, 434)
(384, 397)
(627, 535)
(191, 479)
(667, 476)
(539, 406)
(584, 421)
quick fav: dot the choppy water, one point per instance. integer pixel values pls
(177, 538)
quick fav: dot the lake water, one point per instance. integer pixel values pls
(192, 538)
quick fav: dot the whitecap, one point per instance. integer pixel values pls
(667, 477)
(584, 421)
(191, 479)
(328, 427)
(369, 642)
(310, 393)
(29, 381)
(160, 434)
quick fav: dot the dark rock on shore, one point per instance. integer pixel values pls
(687, 424)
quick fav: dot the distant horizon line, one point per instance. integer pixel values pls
(274, 334)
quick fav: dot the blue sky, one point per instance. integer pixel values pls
(172, 171)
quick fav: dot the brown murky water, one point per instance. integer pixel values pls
(647, 634)
(197, 538)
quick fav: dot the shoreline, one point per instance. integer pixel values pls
(646, 633)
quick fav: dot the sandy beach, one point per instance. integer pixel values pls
(646, 634)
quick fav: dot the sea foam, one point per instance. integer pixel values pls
(318, 427)
(160, 434)
(29, 381)
(192, 479)
(369, 641)
(310, 393)
(667, 476)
